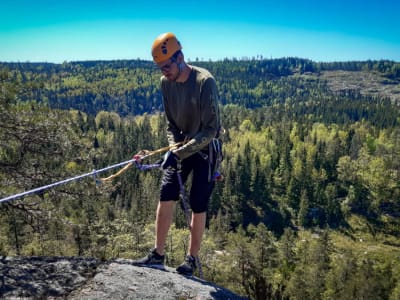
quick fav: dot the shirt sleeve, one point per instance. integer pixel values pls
(209, 115)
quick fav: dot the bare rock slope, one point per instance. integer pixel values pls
(86, 278)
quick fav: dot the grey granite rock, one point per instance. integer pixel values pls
(88, 278)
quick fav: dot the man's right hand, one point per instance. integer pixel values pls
(138, 156)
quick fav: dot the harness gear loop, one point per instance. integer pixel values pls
(214, 159)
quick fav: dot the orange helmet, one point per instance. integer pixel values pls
(164, 46)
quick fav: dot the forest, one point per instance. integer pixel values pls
(310, 202)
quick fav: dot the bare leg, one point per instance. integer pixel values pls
(165, 211)
(196, 234)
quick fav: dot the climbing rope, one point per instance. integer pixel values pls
(93, 173)
(45, 187)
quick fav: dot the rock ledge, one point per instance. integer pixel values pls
(88, 278)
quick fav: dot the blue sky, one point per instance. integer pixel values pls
(58, 31)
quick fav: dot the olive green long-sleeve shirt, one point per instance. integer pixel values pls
(191, 108)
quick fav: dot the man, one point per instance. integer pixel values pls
(191, 108)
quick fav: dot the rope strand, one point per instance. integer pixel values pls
(45, 187)
(94, 173)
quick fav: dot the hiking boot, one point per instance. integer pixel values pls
(153, 258)
(188, 266)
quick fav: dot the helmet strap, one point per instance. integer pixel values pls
(181, 66)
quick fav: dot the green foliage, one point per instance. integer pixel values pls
(309, 174)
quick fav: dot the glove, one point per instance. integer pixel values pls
(170, 161)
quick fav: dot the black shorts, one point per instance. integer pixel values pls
(201, 187)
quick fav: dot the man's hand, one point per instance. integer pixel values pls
(170, 161)
(138, 156)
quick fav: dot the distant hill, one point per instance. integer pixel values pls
(131, 87)
(365, 82)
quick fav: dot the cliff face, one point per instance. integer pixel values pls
(87, 278)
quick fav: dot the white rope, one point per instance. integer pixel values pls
(42, 188)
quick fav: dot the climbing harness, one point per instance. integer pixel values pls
(214, 158)
(216, 150)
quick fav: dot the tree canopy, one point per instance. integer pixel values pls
(309, 206)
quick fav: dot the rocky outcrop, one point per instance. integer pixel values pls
(87, 278)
